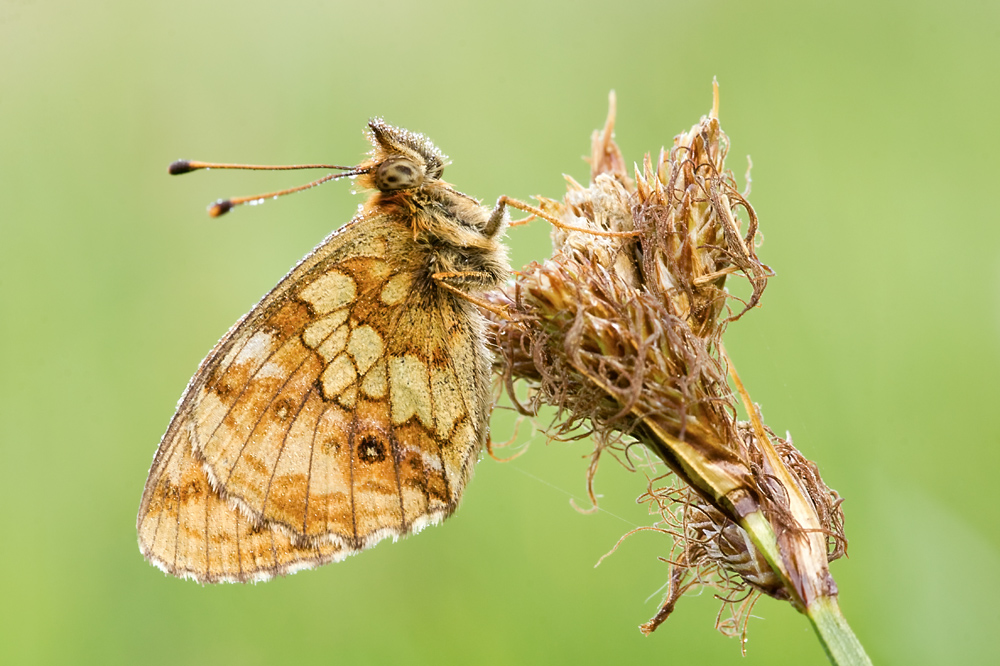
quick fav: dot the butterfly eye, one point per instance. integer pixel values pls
(398, 174)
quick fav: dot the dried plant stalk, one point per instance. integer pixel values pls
(621, 331)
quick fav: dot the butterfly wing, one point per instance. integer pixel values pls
(188, 530)
(348, 406)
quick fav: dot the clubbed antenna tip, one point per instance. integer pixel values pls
(179, 167)
(220, 207)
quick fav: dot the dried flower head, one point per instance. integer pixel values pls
(621, 331)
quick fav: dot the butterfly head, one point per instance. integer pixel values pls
(400, 159)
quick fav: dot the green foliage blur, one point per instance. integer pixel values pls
(872, 129)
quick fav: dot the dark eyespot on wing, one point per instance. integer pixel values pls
(371, 450)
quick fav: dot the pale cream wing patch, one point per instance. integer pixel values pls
(346, 407)
(440, 382)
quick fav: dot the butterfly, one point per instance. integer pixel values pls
(351, 403)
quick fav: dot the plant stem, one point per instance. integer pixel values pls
(840, 643)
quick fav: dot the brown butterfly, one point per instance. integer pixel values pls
(352, 402)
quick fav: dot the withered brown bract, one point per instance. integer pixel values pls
(351, 403)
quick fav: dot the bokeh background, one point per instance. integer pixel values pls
(873, 133)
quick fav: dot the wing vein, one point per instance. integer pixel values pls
(284, 441)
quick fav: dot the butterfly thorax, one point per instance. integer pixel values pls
(456, 238)
(450, 236)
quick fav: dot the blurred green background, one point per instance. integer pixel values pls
(872, 128)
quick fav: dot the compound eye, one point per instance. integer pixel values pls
(398, 174)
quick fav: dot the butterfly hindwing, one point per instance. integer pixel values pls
(343, 409)
(187, 530)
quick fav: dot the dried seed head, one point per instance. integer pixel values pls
(623, 335)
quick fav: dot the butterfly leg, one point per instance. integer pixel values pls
(465, 278)
(537, 212)
(442, 280)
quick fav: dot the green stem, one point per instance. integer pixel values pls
(841, 645)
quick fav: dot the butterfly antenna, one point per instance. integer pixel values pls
(223, 206)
